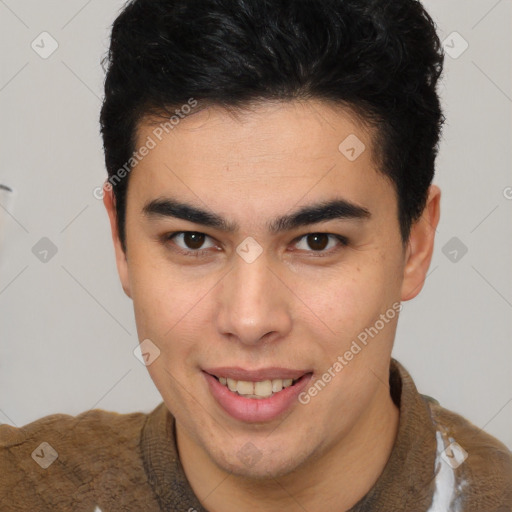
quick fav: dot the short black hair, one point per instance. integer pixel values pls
(380, 58)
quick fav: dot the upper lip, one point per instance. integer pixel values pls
(237, 373)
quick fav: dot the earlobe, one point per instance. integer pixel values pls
(420, 246)
(121, 260)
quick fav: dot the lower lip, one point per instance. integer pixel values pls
(256, 409)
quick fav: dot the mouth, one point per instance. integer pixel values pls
(259, 389)
(256, 396)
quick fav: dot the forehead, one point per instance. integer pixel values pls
(268, 130)
(275, 153)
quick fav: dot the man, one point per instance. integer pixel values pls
(238, 135)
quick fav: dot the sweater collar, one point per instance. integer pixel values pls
(406, 483)
(407, 480)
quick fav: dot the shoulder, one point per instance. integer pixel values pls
(62, 457)
(482, 462)
(94, 426)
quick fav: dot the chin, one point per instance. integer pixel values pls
(258, 464)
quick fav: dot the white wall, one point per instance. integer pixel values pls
(67, 330)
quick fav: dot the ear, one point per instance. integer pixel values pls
(420, 246)
(121, 261)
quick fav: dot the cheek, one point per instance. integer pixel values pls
(158, 295)
(153, 312)
(350, 293)
(169, 310)
(348, 301)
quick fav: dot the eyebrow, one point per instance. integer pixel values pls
(304, 216)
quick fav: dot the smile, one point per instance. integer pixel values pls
(259, 389)
(256, 396)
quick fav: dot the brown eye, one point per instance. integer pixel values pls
(188, 242)
(193, 240)
(321, 243)
(318, 241)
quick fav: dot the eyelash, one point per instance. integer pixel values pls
(202, 252)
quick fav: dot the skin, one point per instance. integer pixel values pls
(289, 308)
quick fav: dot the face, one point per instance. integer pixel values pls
(253, 291)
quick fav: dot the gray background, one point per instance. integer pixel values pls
(67, 331)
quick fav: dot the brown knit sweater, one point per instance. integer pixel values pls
(106, 461)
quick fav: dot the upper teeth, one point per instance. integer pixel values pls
(261, 389)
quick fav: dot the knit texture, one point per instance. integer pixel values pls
(129, 462)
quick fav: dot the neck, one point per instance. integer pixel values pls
(337, 479)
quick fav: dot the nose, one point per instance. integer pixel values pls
(254, 302)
